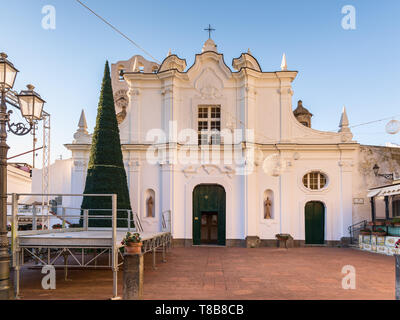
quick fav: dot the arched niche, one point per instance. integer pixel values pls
(150, 203)
(268, 205)
(120, 72)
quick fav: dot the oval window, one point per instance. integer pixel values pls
(314, 180)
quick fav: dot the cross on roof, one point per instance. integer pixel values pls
(209, 29)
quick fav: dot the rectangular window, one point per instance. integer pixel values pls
(209, 125)
(396, 206)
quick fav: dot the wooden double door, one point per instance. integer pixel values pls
(315, 222)
(209, 215)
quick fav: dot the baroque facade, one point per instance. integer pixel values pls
(288, 177)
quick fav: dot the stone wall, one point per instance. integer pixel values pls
(388, 159)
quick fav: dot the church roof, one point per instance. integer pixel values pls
(301, 110)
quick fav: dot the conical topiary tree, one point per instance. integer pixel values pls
(106, 173)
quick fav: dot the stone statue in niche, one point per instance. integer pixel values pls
(121, 102)
(267, 208)
(121, 115)
(150, 206)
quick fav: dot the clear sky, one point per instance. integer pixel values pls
(357, 68)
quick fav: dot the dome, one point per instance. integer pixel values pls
(300, 110)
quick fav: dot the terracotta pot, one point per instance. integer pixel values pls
(133, 248)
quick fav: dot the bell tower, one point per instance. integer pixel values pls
(302, 114)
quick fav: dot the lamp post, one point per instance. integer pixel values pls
(31, 106)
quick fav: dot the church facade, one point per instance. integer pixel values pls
(220, 151)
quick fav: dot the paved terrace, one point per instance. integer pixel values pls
(235, 273)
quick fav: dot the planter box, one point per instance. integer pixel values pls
(382, 249)
(367, 239)
(380, 240)
(392, 251)
(367, 247)
(391, 241)
(379, 234)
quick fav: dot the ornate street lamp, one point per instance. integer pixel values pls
(8, 72)
(388, 176)
(31, 106)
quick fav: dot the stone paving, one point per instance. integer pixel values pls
(236, 273)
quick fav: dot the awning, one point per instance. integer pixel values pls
(385, 191)
(373, 193)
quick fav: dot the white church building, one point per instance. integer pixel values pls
(225, 153)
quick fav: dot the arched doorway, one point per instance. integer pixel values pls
(314, 222)
(209, 214)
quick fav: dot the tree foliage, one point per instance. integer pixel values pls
(106, 173)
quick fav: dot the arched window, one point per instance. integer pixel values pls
(121, 70)
(141, 67)
(154, 69)
(315, 180)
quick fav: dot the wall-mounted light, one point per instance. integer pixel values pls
(388, 176)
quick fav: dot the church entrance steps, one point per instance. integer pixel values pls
(207, 246)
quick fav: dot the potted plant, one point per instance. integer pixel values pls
(57, 226)
(132, 243)
(371, 223)
(380, 232)
(379, 222)
(365, 232)
(396, 222)
(388, 223)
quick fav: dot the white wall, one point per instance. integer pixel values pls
(18, 181)
(249, 99)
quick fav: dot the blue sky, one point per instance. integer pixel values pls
(357, 68)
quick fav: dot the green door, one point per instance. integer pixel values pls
(209, 214)
(315, 222)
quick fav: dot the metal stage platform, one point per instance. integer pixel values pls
(78, 247)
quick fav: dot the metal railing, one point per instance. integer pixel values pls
(355, 229)
(16, 251)
(166, 221)
(83, 253)
(33, 215)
